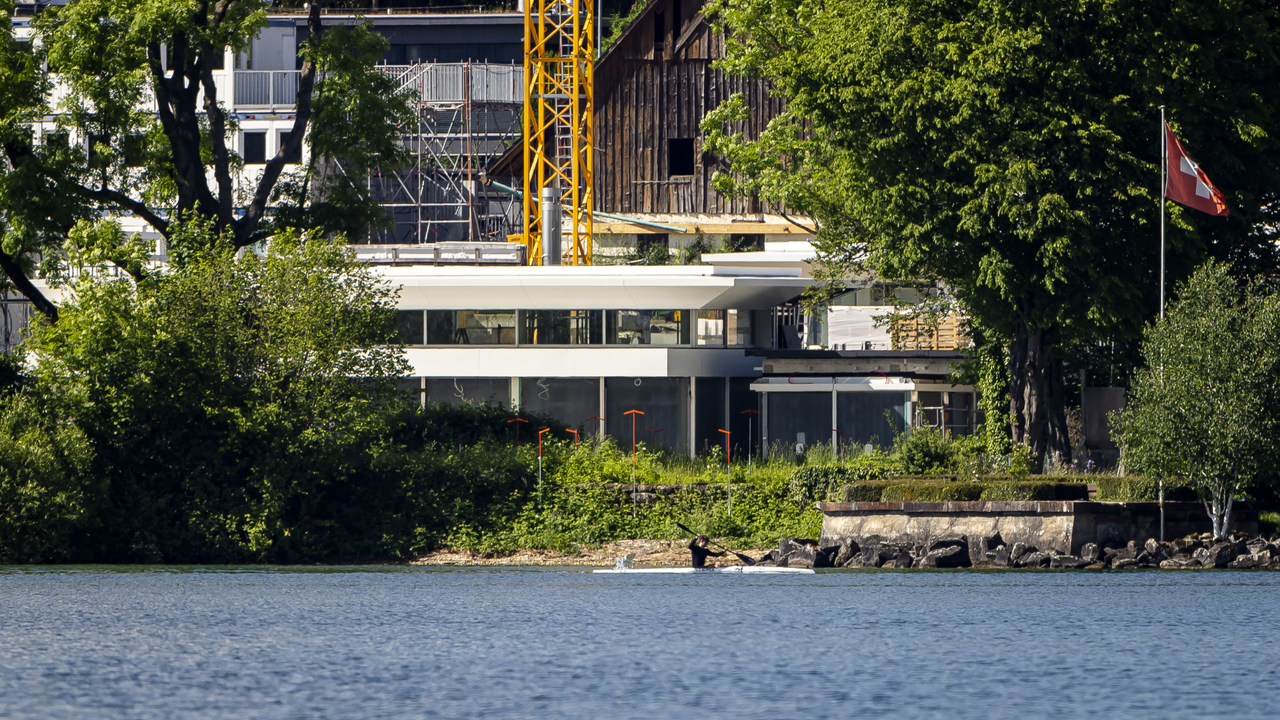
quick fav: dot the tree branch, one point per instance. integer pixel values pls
(11, 267)
(247, 226)
(135, 206)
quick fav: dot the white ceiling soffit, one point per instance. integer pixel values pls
(607, 288)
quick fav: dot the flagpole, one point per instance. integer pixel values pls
(1164, 182)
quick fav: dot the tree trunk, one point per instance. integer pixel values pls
(1218, 505)
(11, 266)
(1036, 403)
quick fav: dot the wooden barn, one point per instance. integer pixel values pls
(652, 88)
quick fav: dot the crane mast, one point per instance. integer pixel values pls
(559, 46)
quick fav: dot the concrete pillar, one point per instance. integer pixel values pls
(764, 424)
(604, 407)
(693, 417)
(515, 394)
(835, 436)
(551, 231)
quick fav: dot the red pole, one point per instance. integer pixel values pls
(633, 414)
(728, 468)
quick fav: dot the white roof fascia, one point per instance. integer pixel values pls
(504, 361)
(577, 288)
(827, 384)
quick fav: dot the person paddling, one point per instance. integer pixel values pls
(699, 551)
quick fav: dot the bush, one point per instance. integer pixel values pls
(1137, 488)
(931, 492)
(924, 451)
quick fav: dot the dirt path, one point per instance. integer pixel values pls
(649, 553)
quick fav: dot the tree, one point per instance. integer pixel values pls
(1203, 411)
(1009, 150)
(155, 136)
(233, 404)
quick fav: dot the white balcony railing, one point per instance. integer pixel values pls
(265, 88)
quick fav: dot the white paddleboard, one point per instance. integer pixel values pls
(737, 569)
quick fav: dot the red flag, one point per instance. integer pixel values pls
(1186, 183)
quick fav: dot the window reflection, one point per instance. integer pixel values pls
(738, 328)
(471, 327)
(711, 327)
(648, 327)
(561, 327)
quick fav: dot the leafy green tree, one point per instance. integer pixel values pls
(1009, 150)
(138, 94)
(45, 484)
(1203, 412)
(233, 404)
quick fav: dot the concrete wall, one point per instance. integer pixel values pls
(1062, 526)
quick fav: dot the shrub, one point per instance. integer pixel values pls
(931, 492)
(924, 451)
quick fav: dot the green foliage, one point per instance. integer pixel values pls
(45, 484)
(1203, 412)
(931, 492)
(1139, 488)
(925, 450)
(1009, 150)
(619, 26)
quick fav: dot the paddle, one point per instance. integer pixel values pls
(743, 558)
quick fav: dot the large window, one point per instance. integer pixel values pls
(255, 148)
(739, 328)
(409, 327)
(647, 327)
(561, 327)
(471, 327)
(711, 328)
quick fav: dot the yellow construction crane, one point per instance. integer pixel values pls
(559, 49)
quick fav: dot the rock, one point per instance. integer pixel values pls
(643, 498)
(1187, 545)
(1018, 550)
(800, 556)
(928, 561)
(1001, 558)
(1249, 561)
(947, 542)
(1201, 555)
(1172, 564)
(1067, 561)
(1122, 553)
(847, 550)
(952, 556)
(1257, 545)
(1144, 558)
(1122, 563)
(1095, 566)
(1218, 555)
(825, 557)
(1152, 546)
(1089, 553)
(901, 560)
(769, 558)
(787, 545)
(982, 547)
(1034, 559)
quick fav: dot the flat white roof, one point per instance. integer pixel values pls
(609, 287)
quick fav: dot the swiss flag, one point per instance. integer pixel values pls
(1187, 184)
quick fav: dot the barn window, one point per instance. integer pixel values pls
(679, 156)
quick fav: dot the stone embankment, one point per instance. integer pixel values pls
(991, 551)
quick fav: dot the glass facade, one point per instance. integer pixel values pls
(670, 328)
(471, 327)
(647, 327)
(710, 325)
(561, 327)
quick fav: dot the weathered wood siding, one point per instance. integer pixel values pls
(645, 97)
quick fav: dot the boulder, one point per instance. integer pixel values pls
(1257, 545)
(1001, 558)
(1034, 559)
(825, 557)
(1095, 566)
(787, 545)
(1249, 561)
(768, 558)
(846, 552)
(948, 542)
(799, 556)
(952, 556)
(981, 547)
(1219, 555)
(928, 561)
(1121, 563)
(1178, 562)
(1018, 550)
(643, 498)
(1067, 561)
(1187, 544)
(1152, 546)
(901, 560)
(1090, 553)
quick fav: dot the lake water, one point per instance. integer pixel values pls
(562, 643)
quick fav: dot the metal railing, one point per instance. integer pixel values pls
(448, 82)
(266, 88)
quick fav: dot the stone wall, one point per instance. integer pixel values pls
(1062, 526)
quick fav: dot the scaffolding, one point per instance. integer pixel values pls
(559, 53)
(467, 115)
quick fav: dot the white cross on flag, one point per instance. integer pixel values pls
(1186, 183)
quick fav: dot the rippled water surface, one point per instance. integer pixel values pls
(562, 643)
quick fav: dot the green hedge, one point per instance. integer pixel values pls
(932, 492)
(1135, 488)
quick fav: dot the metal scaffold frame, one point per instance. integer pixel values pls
(559, 47)
(468, 114)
